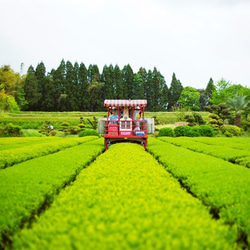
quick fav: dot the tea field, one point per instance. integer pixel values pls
(68, 193)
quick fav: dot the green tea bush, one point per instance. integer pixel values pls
(129, 203)
(182, 130)
(88, 132)
(30, 186)
(166, 132)
(232, 129)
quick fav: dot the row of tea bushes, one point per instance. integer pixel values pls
(221, 151)
(19, 142)
(238, 143)
(222, 185)
(10, 157)
(28, 187)
(126, 200)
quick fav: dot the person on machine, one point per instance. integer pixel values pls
(113, 118)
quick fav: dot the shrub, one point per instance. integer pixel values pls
(11, 130)
(182, 130)
(234, 130)
(193, 132)
(245, 125)
(206, 131)
(88, 132)
(74, 130)
(228, 134)
(166, 132)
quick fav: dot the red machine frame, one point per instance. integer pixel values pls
(131, 125)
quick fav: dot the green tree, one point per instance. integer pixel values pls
(138, 87)
(40, 73)
(32, 94)
(59, 79)
(144, 75)
(220, 94)
(107, 79)
(7, 102)
(118, 83)
(190, 98)
(128, 77)
(209, 91)
(84, 99)
(71, 86)
(238, 104)
(174, 91)
(13, 84)
(50, 101)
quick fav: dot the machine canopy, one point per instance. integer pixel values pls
(125, 103)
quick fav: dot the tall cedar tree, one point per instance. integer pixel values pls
(71, 86)
(174, 92)
(128, 77)
(82, 88)
(94, 88)
(107, 80)
(49, 103)
(209, 91)
(118, 84)
(40, 73)
(32, 94)
(143, 73)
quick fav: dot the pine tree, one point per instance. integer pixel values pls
(138, 87)
(174, 92)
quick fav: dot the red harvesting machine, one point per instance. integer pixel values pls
(125, 122)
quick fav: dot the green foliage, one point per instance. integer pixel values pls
(190, 98)
(221, 185)
(11, 130)
(88, 132)
(220, 151)
(232, 129)
(174, 92)
(129, 203)
(206, 131)
(7, 103)
(245, 124)
(93, 123)
(166, 132)
(181, 130)
(27, 188)
(14, 156)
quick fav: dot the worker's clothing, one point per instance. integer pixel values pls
(113, 119)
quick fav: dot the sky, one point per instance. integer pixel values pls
(195, 39)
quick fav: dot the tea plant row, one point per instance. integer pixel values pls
(221, 185)
(27, 188)
(126, 200)
(9, 157)
(226, 151)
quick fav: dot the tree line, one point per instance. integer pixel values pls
(78, 88)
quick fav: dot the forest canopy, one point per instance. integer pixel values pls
(74, 87)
